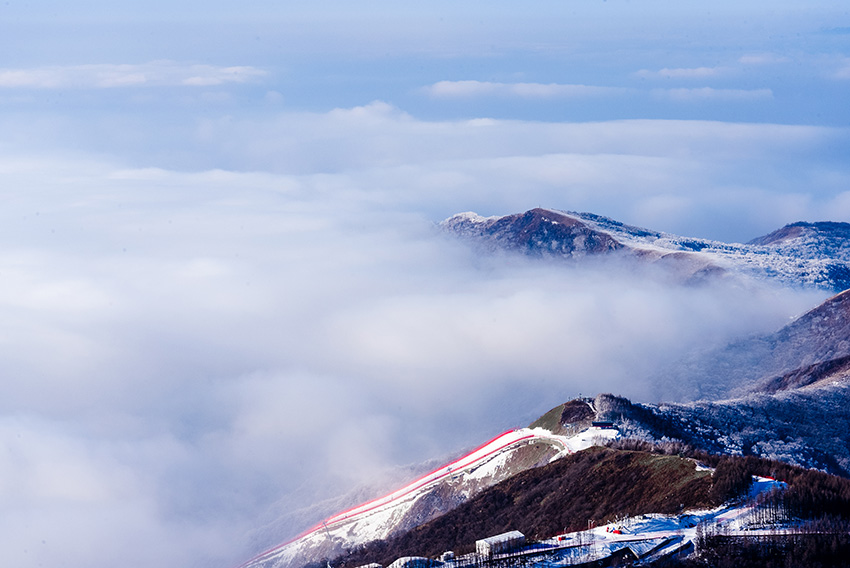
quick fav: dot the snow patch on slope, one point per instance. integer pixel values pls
(376, 519)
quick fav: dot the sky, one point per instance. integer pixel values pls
(225, 298)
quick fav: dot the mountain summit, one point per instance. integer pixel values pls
(538, 231)
(808, 254)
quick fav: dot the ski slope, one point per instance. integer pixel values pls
(374, 519)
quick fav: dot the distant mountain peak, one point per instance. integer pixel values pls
(808, 254)
(537, 231)
(822, 230)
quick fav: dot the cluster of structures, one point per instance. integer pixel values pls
(637, 541)
(585, 548)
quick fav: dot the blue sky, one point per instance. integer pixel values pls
(223, 297)
(132, 81)
(143, 84)
(759, 62)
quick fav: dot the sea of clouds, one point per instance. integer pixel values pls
(194, 353)
(225, 303)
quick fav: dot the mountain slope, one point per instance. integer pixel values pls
(804, 426)
(819, 374)
(424, 498)
(784, 396)
(805, 239)
(626, 486)
(758, 364)
(541, 499)
(810, 254)
(538, 231)
(792, 386)
(598, 483)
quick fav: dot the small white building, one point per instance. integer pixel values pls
(499, 544)
(414, 562)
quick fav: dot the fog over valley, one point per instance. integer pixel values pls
(195, 346)
(225, 298)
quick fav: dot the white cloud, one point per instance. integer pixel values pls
(683, 73)
(762, 59)
(73, 499)
(209, 323)
(471, 89)
(201, 344)
(843, 71)
(712, 94)
(105, 76)
(383, 155)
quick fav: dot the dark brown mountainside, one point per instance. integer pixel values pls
(597, 484)
(540, 231)
(568, 418)
(602, 484)
(549, 233)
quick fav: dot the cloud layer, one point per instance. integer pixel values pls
(223, 300)
(187, 349)
(712, 94)
(468, 89)
(711, 179)
(108, 76)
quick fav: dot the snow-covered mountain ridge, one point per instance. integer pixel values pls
(810, 254)
(430, 495)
